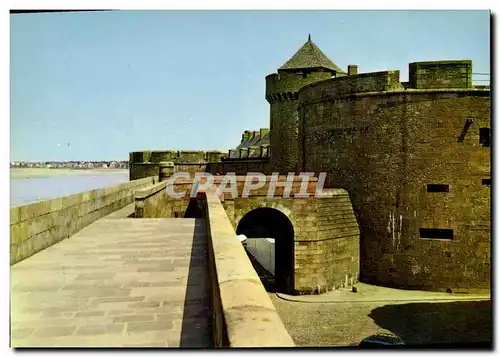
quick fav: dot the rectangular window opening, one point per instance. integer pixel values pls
(485, 137)
(436, 233)
(486, 182)
(435, 187)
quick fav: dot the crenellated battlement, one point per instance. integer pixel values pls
(285, 86)
(176, 156)
(430, 75)
(440, 74)
(359, 83)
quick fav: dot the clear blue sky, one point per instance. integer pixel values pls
(113, 82)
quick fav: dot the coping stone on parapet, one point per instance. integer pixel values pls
(166, 164)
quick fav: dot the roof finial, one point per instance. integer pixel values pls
(309, 39)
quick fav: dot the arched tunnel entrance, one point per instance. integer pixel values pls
(270, 223)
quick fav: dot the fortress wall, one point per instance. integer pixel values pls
(38, 225)
(146, 163)
(359, 83)
(284, 136)
(384, 148)
(281, 93)
(216, 156)
(291, 82)
(242, 313)
(150, 202)
(154, 201)
(191, 167)
(191, 156)
(440, 74)
(326, 256)
(139, 157)
(239, 167)
(158, 156)
(141, 170)
(435, 156)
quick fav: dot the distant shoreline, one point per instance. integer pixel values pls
(41, 172)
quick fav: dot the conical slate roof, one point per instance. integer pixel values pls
(310, 56)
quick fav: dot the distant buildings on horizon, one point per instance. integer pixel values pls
(71, 164)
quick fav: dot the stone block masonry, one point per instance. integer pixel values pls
(116, 283)
(326, 237)
(36, 226)
(440, 74)
(326, 233)
(414, 158)
(413, 162)
(243, 314)
(150, 201)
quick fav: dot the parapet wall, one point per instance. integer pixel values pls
(181, 156)
(38, 225)
(416, 163)
(238, 166)
(147, 163)
(326, 233)
(280, 85)
(440, 74)
(243, 313)
(142, 170)
(150, 201)
(155, 202)
(343, 86)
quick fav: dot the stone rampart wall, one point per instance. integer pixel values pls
(38, 225)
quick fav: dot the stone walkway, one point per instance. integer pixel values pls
(118, 282)
(372, 293)
(416, 323)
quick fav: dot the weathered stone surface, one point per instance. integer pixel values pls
(236, 290)
(44, 223)
(386, 163)
(75, 294)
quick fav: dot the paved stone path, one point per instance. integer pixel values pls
(118, 282)
(347, 324)
(372, 293)
(343, 318)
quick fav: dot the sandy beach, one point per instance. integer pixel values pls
(28, 173)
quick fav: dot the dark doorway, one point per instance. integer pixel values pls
(193, 209)
(271, 223)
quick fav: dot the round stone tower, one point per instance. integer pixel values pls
(307, 66)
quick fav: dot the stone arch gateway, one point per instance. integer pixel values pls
(268, 222)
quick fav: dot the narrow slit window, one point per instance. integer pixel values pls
(436, 187)
(436, 233)
(485, 137)
(486, 182)
(466, 127)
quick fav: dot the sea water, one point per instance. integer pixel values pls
(26, 190)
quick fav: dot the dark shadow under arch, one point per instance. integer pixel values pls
(270, 223)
